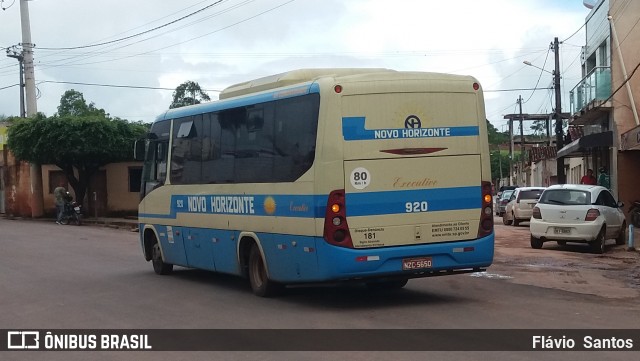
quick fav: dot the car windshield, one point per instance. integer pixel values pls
(530, 194)
(566, 197)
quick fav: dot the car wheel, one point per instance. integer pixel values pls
(622, 236)
(505, 221)
(536, 243)
(562, 243)
(516, 221)
(598, 245)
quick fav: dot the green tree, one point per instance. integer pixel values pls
(79, 145)
(72, 103)
(495, 137)
(188, 93)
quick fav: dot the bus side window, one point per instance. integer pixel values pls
(211, 148)
(296, 130)
(161, 161)
(186, 153)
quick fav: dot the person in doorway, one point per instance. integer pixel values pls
(589, 178)
(59, 193)
(603, 178)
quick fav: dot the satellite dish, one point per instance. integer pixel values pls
(589, 4)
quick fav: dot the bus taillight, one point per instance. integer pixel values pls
(336, 230)
(486, 216)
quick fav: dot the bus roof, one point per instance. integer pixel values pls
(293, 77)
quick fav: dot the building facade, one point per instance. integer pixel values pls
(602, 103)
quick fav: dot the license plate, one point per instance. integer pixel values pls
(561, 230)
(416, 263)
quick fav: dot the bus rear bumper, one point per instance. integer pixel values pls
(435, 259)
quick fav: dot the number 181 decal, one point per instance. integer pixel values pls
(414, 207)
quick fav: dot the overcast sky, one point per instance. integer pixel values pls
(239, 40)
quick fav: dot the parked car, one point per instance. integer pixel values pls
(504, 188)
(521, 205)
(577, 213)
(501, 202)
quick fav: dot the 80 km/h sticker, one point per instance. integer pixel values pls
(360, 178)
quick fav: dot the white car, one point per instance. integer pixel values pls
(520, 206)
(577, 213)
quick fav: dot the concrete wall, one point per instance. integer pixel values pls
(542, 173)
(627, 173)
(629, 179)
(119, 198)
(17, 186)
(625, 16)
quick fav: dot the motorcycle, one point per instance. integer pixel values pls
(72, 211)
(634, 213)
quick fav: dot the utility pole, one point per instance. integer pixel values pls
(511, 152)
(32, 109)
(559, 134)
(13, 52)
(521, 167)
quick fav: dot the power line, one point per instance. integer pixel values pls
(181, 42)
(512, 90)
(10, 86)
(116, 86)
(138, 34)
(540, 76)
(572, 35)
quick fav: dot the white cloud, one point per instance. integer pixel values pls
(232, 42)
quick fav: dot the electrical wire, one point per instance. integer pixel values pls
(191, 39)
(6, 8)
(540, 76)
(117, 86)
(138, 34)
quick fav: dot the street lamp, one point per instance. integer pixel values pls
(526, 62)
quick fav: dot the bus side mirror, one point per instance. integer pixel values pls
(138, 149)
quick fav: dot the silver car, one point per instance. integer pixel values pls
(501, 202)
(520, 206)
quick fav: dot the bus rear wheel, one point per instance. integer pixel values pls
(159, 266)
(261, 285)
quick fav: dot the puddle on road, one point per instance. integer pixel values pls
(494, 276)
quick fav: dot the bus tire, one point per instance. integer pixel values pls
(261, 285)
(159, 266)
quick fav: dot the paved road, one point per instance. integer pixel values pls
(96, 278)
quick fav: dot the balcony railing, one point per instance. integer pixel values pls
(595, 86)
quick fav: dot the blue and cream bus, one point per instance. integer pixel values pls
(323, 175)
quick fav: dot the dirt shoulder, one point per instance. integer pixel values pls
(573, 268)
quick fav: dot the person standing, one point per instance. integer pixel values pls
(603, 178)
(60, 194)
(588, 178)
